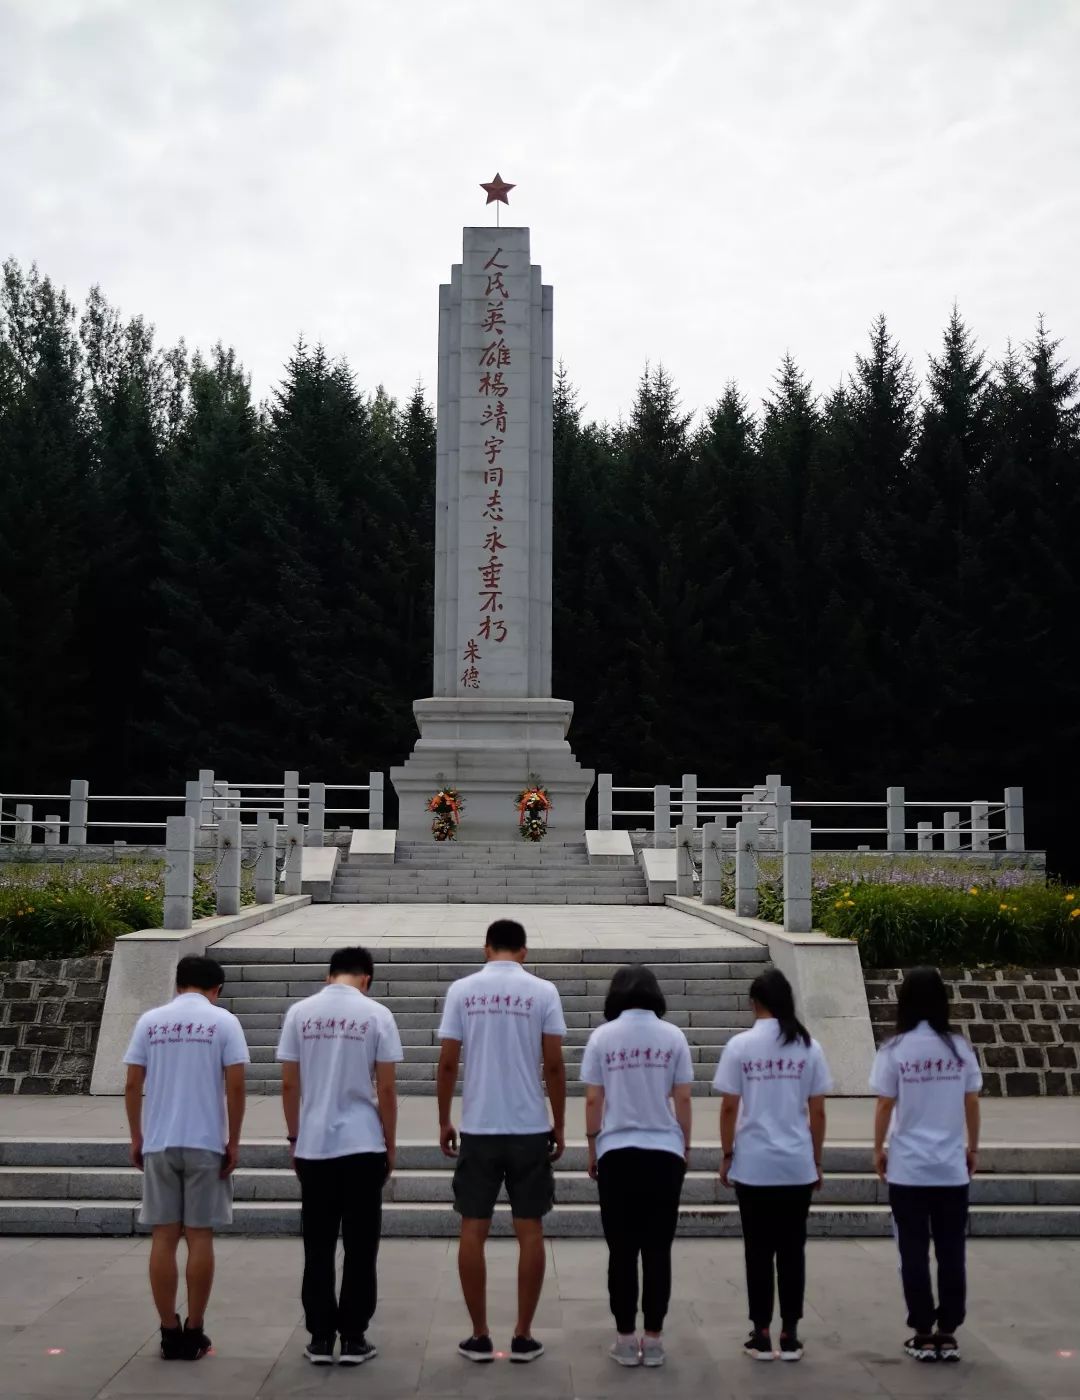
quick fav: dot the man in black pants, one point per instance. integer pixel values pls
(338, 1050)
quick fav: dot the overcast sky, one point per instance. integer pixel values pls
(709, 183)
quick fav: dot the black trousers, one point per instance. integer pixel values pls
(774, 1242)
(919, 1213)
(639, 1210)
(341, 1194)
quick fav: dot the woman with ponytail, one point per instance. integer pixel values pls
(773, 1079)
(927, 1079)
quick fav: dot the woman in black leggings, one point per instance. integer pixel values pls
(637, 1118)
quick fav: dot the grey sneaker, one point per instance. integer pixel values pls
(652, 1352)
(625, 1353)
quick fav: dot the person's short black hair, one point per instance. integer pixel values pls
(354, 962)
(204, 974)
(505, 936)
(634, 988)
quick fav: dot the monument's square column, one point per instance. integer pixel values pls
(490, 720)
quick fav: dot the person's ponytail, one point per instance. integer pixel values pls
(773, 991)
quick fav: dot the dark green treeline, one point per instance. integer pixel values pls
(872, 585)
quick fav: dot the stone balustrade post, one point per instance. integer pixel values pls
(798, 910)
(688, 809)
(207, 815)
(926, 836)
(604, 802)
(227, 874)
(376, 801)
(78, 811)
(1014, 819)
(951, 825)
(684, 859)
(746, 870)
(781, 813)
(980, 820)
(52, 829)
(712, 861)
(314, 834)
(291, 798)
(266, 861)
(294, 856)
(193, 800)
(24, 823)
(895, 819)
(661, 811)
(179, 871)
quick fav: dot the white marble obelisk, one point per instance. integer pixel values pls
(491, 720)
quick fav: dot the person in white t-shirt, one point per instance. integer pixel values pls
(928, 1080)
(772, 1132)
(637, 1121)
(339, 1050)
(189, 1056)
(508, 1024)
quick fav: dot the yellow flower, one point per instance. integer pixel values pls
(847, 893)
(974, 889)
(1069, 898)
(29, 908)
(146, 896)
(839, 904)
(1003, 906)
(1074, 914)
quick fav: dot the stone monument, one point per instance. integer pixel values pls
(491, 721)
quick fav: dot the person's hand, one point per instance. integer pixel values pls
(448, 1140)
(292, 1157)
(593, 1164)
(820, 1179)
(725, 1168)
(881, 1162)
(135, 1153)
(556, 1143)
(228, 1165)
(972, 1161)
(391, 1160)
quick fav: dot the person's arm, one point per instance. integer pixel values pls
(683, 1104)
(973, 1117)
(386, 1092)
(882, 1117)
(555, 1079)
(445, 1080)
(594, 1121)
(133, 1098)
(235, 1099)
(816, 1108)
(729, 1116)
(290, 1104)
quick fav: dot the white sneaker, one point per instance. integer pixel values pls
(652, 1352)
(625, 1351)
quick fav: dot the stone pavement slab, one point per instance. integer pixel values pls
(76, 1323)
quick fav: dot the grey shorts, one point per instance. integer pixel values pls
(183, 1185)
(519, 1161)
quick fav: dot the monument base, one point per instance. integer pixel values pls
(487, 749)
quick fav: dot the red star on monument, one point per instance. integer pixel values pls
(497, 190)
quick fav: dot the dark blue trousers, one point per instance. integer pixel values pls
(922, 1213)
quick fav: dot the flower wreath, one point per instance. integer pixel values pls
(446, 807)
(533, 806)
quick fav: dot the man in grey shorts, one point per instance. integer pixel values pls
(185, 1135)
(508, 1023)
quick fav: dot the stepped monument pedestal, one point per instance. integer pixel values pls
(491, 722)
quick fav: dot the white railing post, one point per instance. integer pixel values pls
(746, 842)
(294, 855)
(207, 815)
(661, 810)
(52, 829)
(316, 822)
(980, 820)
(894, 819)
(179, 871)
(227, 875)
(266, 860)
(604, 802)
(1014, 819)
(24, 823)
(77, 812)
(798, 911)
(951, 837)
(193, 800)
(291, 799)
(688, 810)
(772, 785)
(376, 802)
(781, 811)
(712, 861)
(926, 836)
(684, 860)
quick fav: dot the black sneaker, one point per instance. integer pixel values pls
(791, 1349)
(172, 1343)
(477, 1349)
(320, 1351)
(759, 1346)
(196, 1343)
(526, 1349)
(922, 1347)
(948, 1349)
(356, 1353)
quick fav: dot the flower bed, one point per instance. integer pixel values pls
(69, 911)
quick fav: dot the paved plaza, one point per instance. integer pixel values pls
(77, 1323)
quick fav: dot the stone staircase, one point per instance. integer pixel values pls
(707, 997)
(502, 873)
(85, 1187)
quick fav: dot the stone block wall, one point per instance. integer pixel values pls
(1024, 1024)
(50, 1011)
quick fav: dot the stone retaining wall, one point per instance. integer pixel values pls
(50, 1011)
(1024, 1024)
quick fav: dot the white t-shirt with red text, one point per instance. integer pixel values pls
(928, 1078)
(185, 1047)
(637, 1060)
(501, 1014)
(774, 1081)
